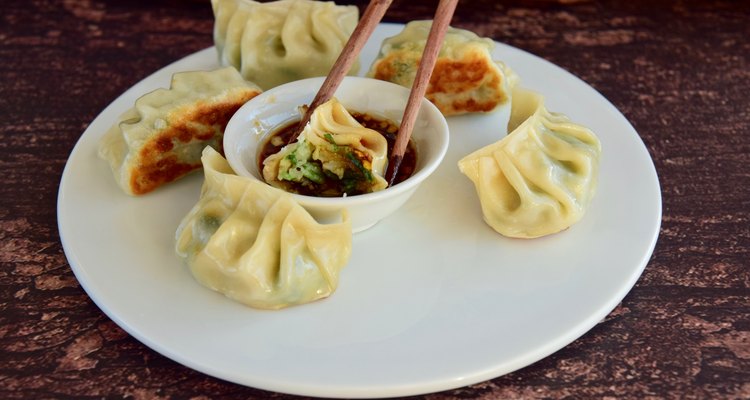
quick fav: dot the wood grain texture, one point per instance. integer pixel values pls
(678, 70)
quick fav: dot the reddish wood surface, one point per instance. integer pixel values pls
(678, 70)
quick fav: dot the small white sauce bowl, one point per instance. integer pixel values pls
(250, 126)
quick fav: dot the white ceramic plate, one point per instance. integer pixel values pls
(432, 299)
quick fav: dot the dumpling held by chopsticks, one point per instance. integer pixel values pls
(333, 156)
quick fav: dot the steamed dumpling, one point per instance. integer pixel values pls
(256, 245)
(162, 137)
(334, 155)
(282, 41)
(539, 179)
(465, 78)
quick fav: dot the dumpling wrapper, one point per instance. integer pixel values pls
(256, 245)
(162, 137)
(282, 41)
(327, 147)
(465, 78)
(541, 178)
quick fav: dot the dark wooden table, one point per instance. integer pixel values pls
(679, 71)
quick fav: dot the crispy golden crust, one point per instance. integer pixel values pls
(199, 125)
(462, 78)
(470, 84)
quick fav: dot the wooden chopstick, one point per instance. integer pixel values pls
(370, 19)
(440, 23)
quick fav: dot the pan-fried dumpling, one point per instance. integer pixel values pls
(465, 78)
(539, 179)
(161, 138)
(282, 41)
(256, 245)
(333, 156)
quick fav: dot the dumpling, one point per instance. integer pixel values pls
(333, 156)
(256, 245)
(539, 179)
(282, 41)
(465, 78)
(161, 138)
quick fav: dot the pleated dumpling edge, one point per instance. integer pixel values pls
(541, 178)
(256, 245)
(276, 42)
(160, 139)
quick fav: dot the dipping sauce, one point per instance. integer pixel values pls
(333, 187)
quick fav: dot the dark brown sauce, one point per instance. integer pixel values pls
(387, 128)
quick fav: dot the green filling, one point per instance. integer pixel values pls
(300, 168)
(209, 223)
(358, 163)
(299, 165)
